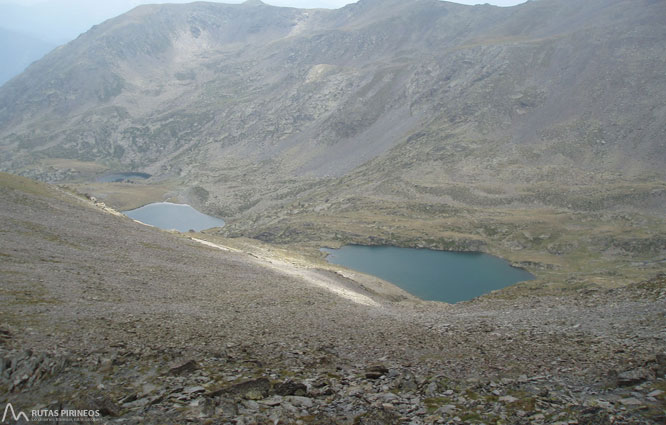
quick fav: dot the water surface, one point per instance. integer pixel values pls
(168, 216)
(119, 177)
(431, 275)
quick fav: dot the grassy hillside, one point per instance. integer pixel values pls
(102, 313)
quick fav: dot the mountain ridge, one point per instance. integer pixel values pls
(113, 58)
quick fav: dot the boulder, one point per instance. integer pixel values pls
(632, 377)
(255, 389)
(291, 388)
(376, 371)
(184, 369)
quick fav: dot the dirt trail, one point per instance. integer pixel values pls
(312, 276)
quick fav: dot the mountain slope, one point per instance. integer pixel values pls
(534, 132)
(17, 51)
(343, 86)
(102, 313)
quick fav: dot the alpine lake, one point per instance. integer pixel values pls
(428, 274)
(431, 275)
(168, 216)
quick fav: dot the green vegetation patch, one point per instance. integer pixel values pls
(25, 185)
(434, 403)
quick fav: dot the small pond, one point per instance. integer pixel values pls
(119, 177)
(168, 216)
(431, 275)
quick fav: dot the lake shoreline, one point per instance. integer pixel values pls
(172, 216)
(431, 275)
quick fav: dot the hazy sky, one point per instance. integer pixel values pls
(292, 3)
(58, 21)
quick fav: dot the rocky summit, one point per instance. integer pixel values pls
(534, 133)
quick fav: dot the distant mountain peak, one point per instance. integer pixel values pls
(328, 90)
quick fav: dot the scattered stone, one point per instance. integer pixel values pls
(227, 408)
(446, 409)
(377, 417)
(102, 403)
(157, 399)
(290, 388)
(106, 365)
(206, 407)
(655, 393)
(388, 398)
(5, 336)
(255, 389)
(508, 399)
(250, 404)
(376, 372)
(631, 401)
(184, 369)
(594, 415)
(272, 401)
(660, 365)
(299, 401)
(129, 398)
(194, 389)
(632, 377)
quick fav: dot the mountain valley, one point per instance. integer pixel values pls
(535, 133)
(150, 327)
(420, 123)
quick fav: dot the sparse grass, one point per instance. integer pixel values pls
(660, 385)
(472, 395)
(580, 255)
(126, 196)
(33, 296)
(471, 417)
(25, 185)
(37, 230)
(525, 402)
(491, 398)
(82, 166)
(594, 247)
(155, 246)
(434, 403)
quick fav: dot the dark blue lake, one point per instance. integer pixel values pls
(168, 216)
(119, 177)
(431, 275)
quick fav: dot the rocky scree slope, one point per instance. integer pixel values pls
(100, 312)
(192, 89)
